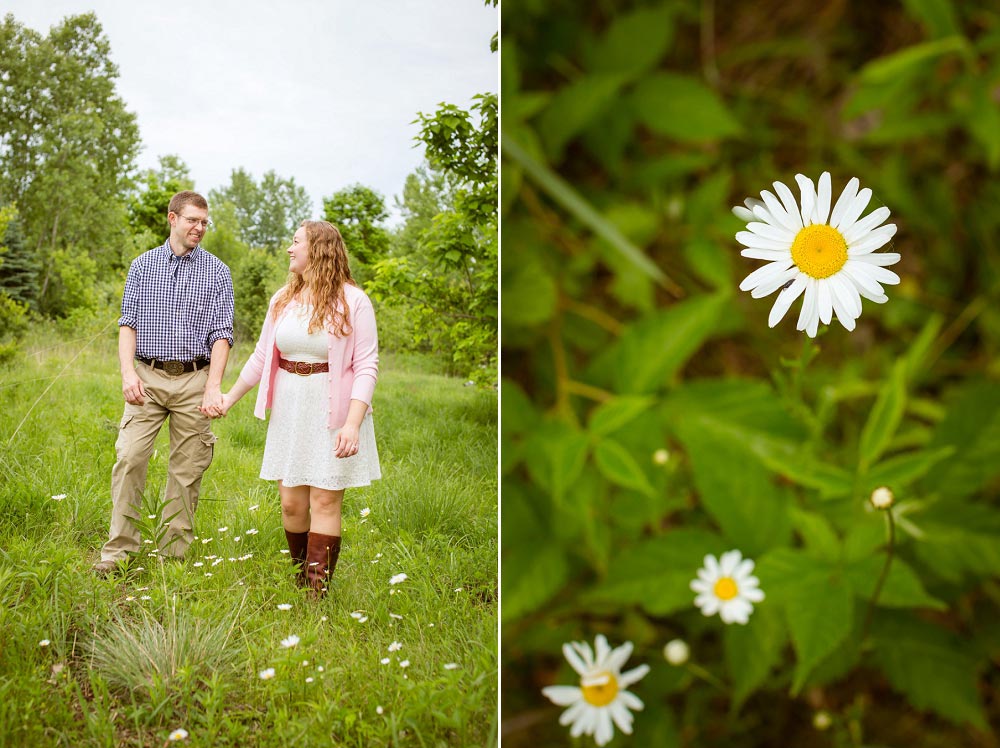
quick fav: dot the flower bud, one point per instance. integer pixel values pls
(882, 498)
(677, 652)
(661, 457)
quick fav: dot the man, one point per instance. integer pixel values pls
(174, 337)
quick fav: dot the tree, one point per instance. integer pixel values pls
(147, 206)
(18, 266)
(447, 268)
(67, 141)
(358, 212)
(268, 213)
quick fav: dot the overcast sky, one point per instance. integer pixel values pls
(322, 91)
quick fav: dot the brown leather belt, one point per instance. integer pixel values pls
(175, 367)
(303, 368)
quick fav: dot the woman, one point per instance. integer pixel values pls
(317, 363)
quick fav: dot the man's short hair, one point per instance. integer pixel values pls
(186, 197)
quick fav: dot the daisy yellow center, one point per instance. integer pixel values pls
(725, 588)
(819, 250)
(599, 690)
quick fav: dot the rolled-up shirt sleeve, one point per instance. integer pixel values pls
(130, 298)
(365, 362)
(222, 314)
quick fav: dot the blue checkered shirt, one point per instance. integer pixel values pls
(178, 306)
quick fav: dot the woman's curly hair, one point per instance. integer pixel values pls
(323, 280)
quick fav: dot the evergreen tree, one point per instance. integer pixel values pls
(18, 266)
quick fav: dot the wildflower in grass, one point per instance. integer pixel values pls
(357, 615)
(44, 643)
(129, 598)
(223, 529)
(661, 457)
(59, 497)
(145, 597)
(310, 679)
(319, 668)
(206, 540)
(323, 618)
(284, 550)
(676, 652)
(398, 578)
(254, 508)
(601, 698)
(397, 617)
(726, 586)
(379, 710)
(179, 734)
(197, 564)
(290, 642)
(151, 516)
(458, 589)
(365, 512)
(266, 674)
(395, 646)
(822, 720)
(404, 663)
(451, 666)
(251, 531)
(284, 606)
(826, 257)
(208, 573)
(882, 498)
(385, 661)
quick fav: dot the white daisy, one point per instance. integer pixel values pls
(290, 642)
(398, 578)
(59, 497)
(827, 257)
(266, 674)
(284, 606)
(726, 586)
(601, 696)
(179, 734)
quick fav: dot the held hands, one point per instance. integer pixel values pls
(347, 441)
(213, 404)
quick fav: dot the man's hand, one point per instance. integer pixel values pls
(212, 403)
(133, 388)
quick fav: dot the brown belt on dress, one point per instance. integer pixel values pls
(303, 368)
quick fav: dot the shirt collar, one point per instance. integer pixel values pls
(170, 253)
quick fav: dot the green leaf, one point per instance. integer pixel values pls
(902, 588)
(899, 472)
(574, 107)
(910, 61)
(818, 605)
(683, 108)
(735, 489)
(612, 415)
(710, 261)
(529, 294)
(751, 651)
(930, 666)
(526, 549)
(919, 350)
(884, 418)
(657, 573)
(652, 350)
(634, 42)
(972, 427)
(555, 455)
(518, 413)
(617, 465)
(959, 539)
(818, 535)
(560, 190)
(937, 15)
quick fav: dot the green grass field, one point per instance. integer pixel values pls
(127, 661)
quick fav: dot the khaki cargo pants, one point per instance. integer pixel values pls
(191, 448)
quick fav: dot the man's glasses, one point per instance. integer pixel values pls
(192, 222)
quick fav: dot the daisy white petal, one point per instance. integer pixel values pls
(766, 254)
(780, 214)
(634, 675)
(768, 231)
(808, 191)
(854, 210)
(823, 196)
(879, 258)
(785, 299)
(764, 274)
(632, 701)
(734, 589)
(789, 204)
(845, 313)
(882, 275)
(621, 716)
(824, 302)
(808, 305)
(749, 239)
(574, 659)
(742, 213)
(562, 695)
(769, 286)
(875, 240)
(866, 224)
(604, 731)
(863, 280)
(844, 202)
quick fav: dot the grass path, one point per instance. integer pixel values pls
(125, 662)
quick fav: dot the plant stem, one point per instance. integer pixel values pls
(883, 576)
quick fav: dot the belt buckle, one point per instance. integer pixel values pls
(306, 371)
(173, 368)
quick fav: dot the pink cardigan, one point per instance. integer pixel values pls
(353, 360)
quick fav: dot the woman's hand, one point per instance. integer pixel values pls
(347, 441)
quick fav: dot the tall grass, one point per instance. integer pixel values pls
(127, 660)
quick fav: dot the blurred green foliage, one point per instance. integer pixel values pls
(628, 130)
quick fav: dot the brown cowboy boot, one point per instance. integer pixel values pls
(297, 542)
(321, 559)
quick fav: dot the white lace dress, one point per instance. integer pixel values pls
(300, 447)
